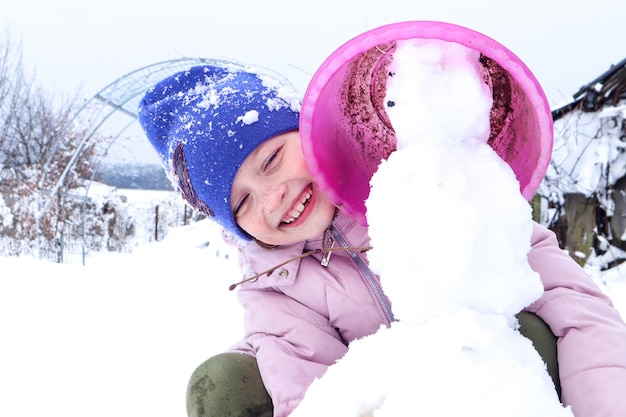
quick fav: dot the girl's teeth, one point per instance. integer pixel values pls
(295, 213)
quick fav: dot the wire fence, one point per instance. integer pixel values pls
(149, 222)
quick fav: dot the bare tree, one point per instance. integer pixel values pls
(39, 142)
(11, 72)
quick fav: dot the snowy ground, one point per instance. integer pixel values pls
(121, 335)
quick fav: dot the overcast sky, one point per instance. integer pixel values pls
(85, 45)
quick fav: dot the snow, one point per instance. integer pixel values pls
(121, 335)
(250, 117)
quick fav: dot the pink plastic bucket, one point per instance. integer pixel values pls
(346, 132)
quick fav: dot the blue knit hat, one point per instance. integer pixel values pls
(205, 121)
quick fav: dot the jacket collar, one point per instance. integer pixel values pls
(257, 259)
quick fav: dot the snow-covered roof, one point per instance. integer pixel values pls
(608, 88)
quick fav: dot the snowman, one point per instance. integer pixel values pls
(450, 233)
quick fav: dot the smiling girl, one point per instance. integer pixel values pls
(228, 137)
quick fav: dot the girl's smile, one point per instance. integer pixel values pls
(294, 216)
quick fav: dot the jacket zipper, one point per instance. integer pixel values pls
(366, 271)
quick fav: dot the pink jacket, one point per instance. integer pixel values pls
(302, 317)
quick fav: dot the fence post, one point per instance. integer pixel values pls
(61, 246)
(156, 223)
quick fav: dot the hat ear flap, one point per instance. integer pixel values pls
(181, 180)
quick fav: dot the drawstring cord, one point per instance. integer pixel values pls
(325, 251)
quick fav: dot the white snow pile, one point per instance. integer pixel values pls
(450, 232)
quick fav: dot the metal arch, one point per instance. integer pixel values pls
(123, 96)
(125, 93)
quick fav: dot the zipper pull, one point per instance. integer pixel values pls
(329, 243)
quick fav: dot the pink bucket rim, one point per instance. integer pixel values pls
(425, 29)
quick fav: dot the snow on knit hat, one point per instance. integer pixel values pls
(204, 122)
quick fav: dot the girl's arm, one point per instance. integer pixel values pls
(293, 345)
(591, 334)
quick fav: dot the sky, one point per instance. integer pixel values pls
(122, 334)
(80, 47)
(88, 44)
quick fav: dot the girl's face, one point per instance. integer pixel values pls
(274, 198)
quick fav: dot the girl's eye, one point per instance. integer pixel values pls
(239, 205)
(272, 158)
